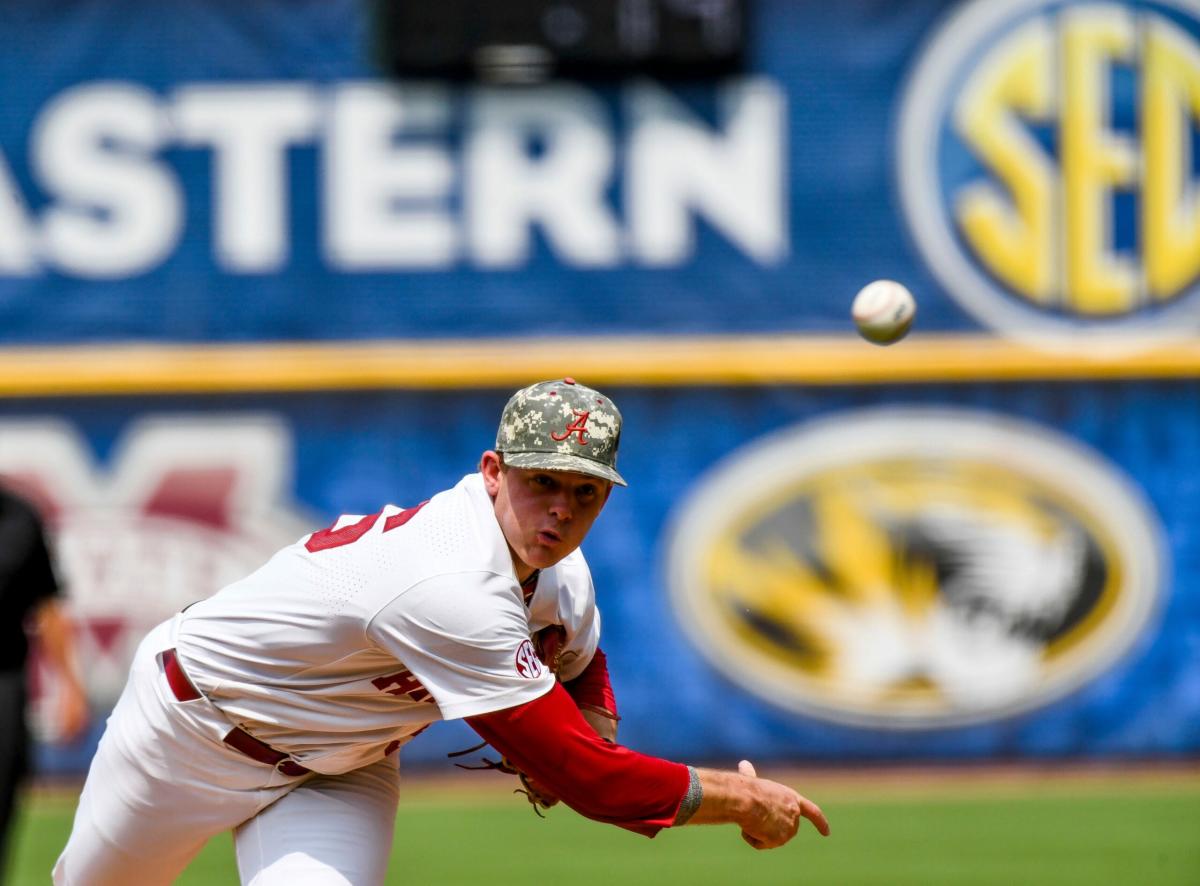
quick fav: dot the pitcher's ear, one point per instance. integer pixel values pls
(491, 465)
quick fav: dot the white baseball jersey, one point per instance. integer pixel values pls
(347, 643)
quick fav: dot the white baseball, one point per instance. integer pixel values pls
(883, 311)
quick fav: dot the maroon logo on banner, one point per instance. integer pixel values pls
(528, 664)
(182, 506)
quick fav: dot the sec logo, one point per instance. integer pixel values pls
(529, 665)
(1047, 165)
(907, 568)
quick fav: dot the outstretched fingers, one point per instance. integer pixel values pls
(813, 813)
(779, 816)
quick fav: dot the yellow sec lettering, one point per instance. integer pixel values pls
(1095, 160)
(1012, 237)
(1170, 99)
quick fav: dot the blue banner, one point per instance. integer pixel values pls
(291, 288)
(219, 175)
(1080, 638)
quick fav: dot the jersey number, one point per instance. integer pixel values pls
(335, 538)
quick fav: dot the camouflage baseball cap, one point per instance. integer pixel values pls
(561, 425)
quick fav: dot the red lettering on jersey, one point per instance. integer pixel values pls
(404, 683)
(403, 517)
(578, 426)
(335, 538)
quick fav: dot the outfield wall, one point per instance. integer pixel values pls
(246, 285)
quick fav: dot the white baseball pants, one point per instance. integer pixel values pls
(162, 783)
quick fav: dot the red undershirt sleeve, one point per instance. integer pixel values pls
(592, 689)
(549, 740)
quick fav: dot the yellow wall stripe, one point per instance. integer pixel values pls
(637, 361)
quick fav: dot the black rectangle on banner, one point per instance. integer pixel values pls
(531, 40)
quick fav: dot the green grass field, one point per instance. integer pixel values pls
(923, 830)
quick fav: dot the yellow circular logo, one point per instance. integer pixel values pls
(904, 568)
(1049, 164)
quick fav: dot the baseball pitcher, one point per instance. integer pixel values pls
(276, 707)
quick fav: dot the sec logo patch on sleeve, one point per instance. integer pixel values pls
(528, 664)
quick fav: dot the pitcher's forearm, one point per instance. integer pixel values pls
(726, 797)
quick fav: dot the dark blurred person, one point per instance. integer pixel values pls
(29, 606)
